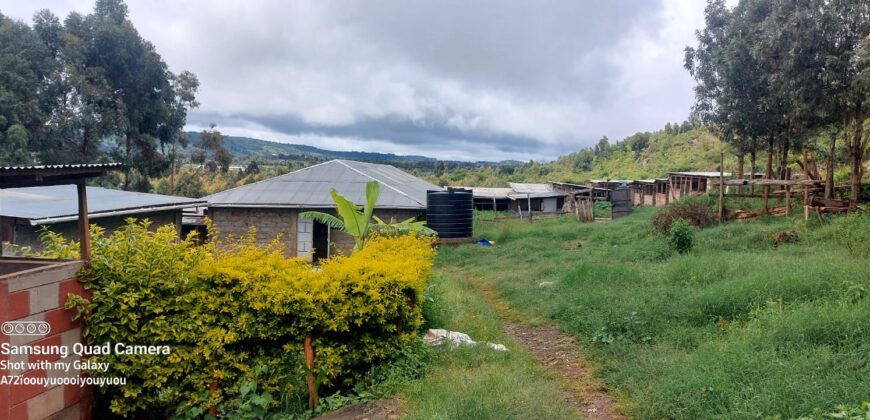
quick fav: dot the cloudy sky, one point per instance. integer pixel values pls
(469, 80)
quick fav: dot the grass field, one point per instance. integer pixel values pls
(742, 326)
(478, 382)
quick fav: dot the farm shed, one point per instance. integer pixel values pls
(25, 211)
(536, 197)
(650, 192)
(272, 206)
(682, 184)
(491, 198)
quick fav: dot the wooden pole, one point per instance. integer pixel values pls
(309, 361)
(84, 224)
(788, 200)
(721, 187)
(529, 198)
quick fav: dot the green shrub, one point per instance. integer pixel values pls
(681, 236)
(700, 211)
(224, 309)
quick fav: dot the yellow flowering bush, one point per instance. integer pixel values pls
(226, 309)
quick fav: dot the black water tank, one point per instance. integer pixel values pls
(450, 213)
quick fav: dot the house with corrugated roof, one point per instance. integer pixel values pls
(272, 206)
(25, 211)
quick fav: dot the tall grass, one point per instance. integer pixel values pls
(742, 326)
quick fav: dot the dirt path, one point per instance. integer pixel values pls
(559, 353)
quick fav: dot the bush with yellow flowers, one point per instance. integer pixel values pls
(225, 310)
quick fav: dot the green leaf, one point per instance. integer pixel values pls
(325, 218)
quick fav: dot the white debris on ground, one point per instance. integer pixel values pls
(545, 284)
(437, 337)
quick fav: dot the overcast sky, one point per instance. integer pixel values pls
(469, 80)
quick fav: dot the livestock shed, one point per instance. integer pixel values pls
(272, 206)
(681, 184)
(24, 212)
(491, 198)
(650, 192)
(536, 197)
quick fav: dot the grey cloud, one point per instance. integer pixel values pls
(516, 79)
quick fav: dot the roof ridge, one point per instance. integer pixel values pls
(381, 181)
(274, 177)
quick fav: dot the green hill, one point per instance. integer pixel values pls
(245, 148)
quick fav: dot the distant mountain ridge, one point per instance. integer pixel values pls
(250, 148)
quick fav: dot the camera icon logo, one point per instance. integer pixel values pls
(25, 328)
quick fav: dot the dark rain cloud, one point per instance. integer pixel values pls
(504, 79)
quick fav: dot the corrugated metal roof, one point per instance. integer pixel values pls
(700, 174)
(13, 169)
(310, 187)
(523, 190)
(60, 202)
(487, 192)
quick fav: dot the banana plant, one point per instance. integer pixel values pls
(354, 221)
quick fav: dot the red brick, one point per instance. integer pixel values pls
(19, 304)
(87, 403)
(18, 412)
(71, 286)
(54, 340)
(20, 392)
(61, 320)
(71, 395)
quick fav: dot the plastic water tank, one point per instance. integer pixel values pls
(450, 212)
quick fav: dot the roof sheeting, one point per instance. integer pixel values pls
(700, 174)
(487, 192)
(310, 187)
(523, 190)
(59, 203)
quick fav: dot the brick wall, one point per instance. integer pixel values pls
(271, 222)
(39, 295)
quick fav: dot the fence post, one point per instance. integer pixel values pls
(309, 361)
(721, 186)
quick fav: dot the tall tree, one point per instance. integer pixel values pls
(25, 63)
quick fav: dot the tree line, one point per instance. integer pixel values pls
(90, 89)
(788, 79)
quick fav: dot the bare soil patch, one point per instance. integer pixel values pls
(389, 409)
(559, 353)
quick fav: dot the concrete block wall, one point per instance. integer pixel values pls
(39, 295)
(236, 222)
(270, 222)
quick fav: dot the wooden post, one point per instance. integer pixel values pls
(788, 200)
(84, 224)
(721, 187)
(529, 198)
(494, 206)
(655, 192)
(806, 202)
(309, 361)
(668, 190)
(213, 389)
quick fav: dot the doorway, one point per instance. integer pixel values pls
(321, 242)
